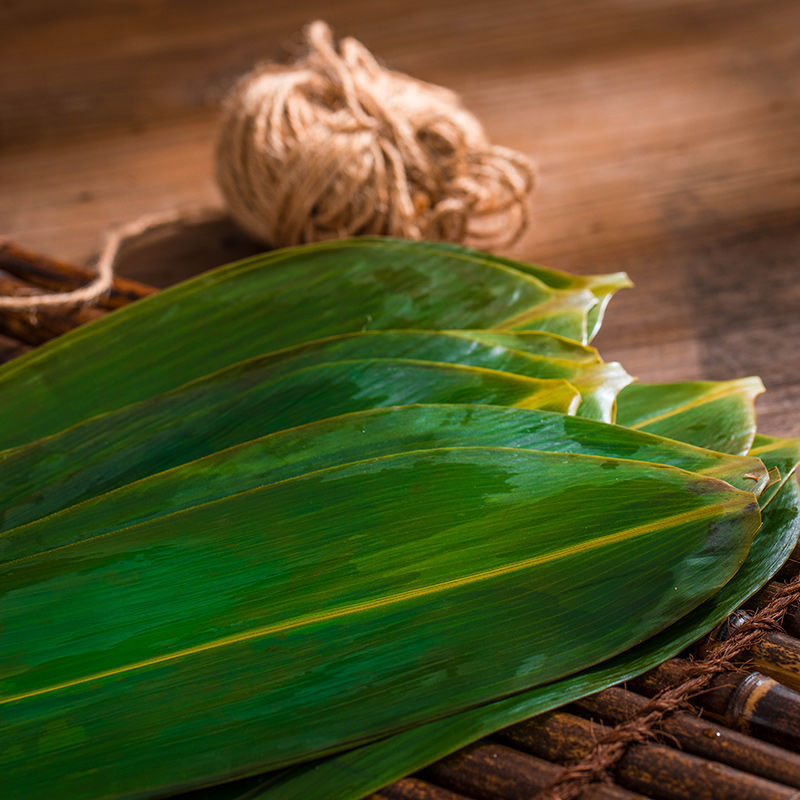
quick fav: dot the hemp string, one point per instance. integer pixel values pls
(335, 145)
(609, 749)
(105, 268)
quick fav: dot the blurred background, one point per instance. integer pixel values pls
(666, 133)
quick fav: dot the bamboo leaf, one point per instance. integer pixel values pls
(373, 600)
(540, 343)
(602, 287)
(353, 774)
(782, 455)
(719, 415)
(332, 442)
(272, 301)
(598, 383)
(599, 387)
(231, 406)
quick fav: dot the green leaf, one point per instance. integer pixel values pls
(782, 455)
(540, 343)
(598, 383)
(276, 300)
(719, 415)
(231, 406)
(374, 590)
(602, 287)
(341, 440)
(353, 774)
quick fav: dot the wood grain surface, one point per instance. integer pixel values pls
(667, 135)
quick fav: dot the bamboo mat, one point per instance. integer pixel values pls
(738, 740)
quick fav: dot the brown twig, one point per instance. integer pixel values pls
(22, 272)
(57, 276)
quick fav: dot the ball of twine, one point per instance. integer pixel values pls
(335, 145)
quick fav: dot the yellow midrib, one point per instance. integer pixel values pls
(355, 608)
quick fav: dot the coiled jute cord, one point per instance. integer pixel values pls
(335, 145)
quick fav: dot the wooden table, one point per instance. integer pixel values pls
(667, 136)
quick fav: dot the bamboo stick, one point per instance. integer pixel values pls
(492, 771)
(701, 737)
(776, 654)
(650, 768)
(748, 701)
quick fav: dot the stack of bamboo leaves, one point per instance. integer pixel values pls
(308, 522)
